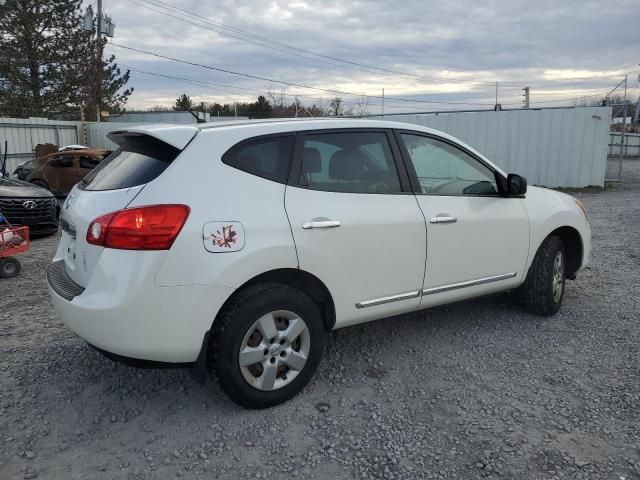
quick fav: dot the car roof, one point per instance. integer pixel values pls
(83, 151)
(179, 136)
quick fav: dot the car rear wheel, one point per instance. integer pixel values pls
(543, 290)
(9, 267)
(266, 345)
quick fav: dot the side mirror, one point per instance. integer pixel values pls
(516, 185)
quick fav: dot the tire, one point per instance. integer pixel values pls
(274, 369)
(543, 290)
(9, 267)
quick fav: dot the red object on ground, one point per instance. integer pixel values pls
(13, 240)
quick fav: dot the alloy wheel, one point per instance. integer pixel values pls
(274, 350)
(558, 277)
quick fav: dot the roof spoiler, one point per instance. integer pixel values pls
(177, 136)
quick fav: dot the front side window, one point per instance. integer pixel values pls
(443, 169)
(267, 157)
(358, 162)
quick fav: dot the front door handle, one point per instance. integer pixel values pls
(321, 224)
(443, 219)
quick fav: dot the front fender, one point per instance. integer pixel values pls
(549, 210)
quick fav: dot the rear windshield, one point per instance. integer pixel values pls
(138, 160)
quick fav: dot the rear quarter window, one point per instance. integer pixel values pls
(138, 160)
(267, 157)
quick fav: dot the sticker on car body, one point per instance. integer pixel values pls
(221, 237)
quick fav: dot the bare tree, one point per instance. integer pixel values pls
(336, 107)
(160, 108)
(277, 99)
(361, 107)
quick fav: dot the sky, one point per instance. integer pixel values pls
(426, 55)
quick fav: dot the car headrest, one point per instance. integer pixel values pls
(347, 165)
(311, 160)
(249, 161)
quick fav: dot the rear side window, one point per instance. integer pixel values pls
(266, 157)
(139, 160)
(354, 162)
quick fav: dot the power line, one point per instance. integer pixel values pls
(569, 99)
(266, 42)
(240, 34)
(211, 85)
(292, 84)
(322, 99)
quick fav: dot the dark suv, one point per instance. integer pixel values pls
(23, 203)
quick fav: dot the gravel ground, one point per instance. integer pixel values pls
(474, 390)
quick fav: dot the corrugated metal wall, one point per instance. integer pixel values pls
(23, 134)
(96, 133)
(552, 147)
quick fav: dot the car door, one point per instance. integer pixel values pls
(355, 222)
(477, 240)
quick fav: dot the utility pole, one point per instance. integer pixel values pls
(624, 130)
(383, 103)
(99, 69)
(497, 107)
(105, 26)
(526, 97)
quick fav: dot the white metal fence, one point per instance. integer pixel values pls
(23, 134)
(631, 146)
(552, 147)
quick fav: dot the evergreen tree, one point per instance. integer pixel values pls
(183, 103)
(47, 63)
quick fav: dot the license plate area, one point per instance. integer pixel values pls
(68, 228)
(68, 242)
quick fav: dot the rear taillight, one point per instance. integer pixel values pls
(152, 227)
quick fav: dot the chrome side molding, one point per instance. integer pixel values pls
(431, 291)
(389, 299)
(470, 283)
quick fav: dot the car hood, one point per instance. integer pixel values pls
(18, 188)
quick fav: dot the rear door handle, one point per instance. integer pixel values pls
(443, 219)
(321, 224)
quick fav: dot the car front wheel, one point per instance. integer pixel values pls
(543, 290)
(266, 345)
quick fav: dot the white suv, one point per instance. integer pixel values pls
(237, 247)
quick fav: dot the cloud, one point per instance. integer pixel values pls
(451, 51)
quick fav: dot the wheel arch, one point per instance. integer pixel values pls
(301, 280)
(573, 245)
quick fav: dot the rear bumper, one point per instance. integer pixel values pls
(123, 313)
